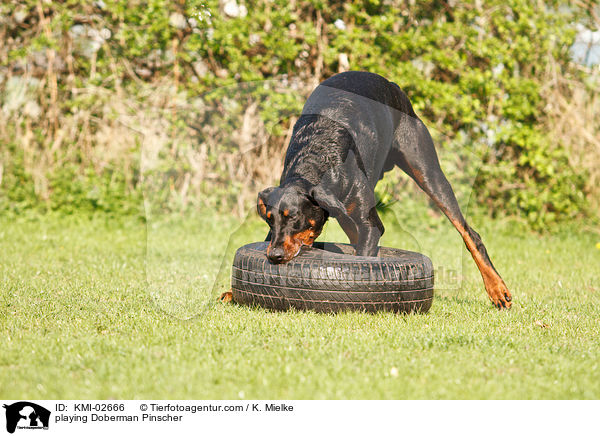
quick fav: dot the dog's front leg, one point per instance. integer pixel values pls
(269, 236)
(367, 241)
(369, 233)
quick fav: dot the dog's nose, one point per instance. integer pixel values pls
(276, 255)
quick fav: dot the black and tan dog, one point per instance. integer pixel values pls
(354, 127)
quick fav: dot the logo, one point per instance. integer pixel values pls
(26, 415)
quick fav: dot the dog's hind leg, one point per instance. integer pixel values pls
(415, 154)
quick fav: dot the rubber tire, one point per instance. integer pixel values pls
(329, 278)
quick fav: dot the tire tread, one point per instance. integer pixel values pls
(334, 282)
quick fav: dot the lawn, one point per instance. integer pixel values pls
(101, 308)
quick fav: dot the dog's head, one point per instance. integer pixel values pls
(296, 217)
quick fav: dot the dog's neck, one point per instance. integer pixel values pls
(295, 180)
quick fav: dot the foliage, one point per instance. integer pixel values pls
(476, 72)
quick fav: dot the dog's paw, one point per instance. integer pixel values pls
(226, 297)
(499, 294)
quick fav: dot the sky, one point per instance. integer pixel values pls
(586, 49)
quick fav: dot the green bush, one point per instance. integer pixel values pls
(475, 71)
(71, 190)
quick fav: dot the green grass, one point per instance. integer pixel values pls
(81, 317)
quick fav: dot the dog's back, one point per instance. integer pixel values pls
(373, 87)
(353, 114)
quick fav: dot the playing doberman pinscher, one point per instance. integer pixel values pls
(354, 127)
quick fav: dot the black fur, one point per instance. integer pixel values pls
(354, 127)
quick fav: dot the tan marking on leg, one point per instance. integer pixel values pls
(494, 285)
(226, 297)
(350, 208)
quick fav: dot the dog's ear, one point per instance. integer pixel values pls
(327, 200)
(261, 202)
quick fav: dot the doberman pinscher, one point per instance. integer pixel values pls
(354, 127)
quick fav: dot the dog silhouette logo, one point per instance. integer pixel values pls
(26, 415)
